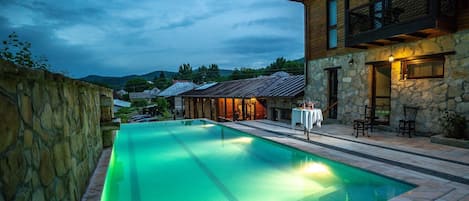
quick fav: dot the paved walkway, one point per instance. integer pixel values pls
(441, 172)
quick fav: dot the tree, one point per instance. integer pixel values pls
(281, 64)
(162, 82)
(244, 73)
(185, 72)
(213, 73)
(19, 53)
(136, 85)
(201, 75)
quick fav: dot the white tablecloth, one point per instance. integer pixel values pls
(308, 118)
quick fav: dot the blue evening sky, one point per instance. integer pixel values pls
(120, 37)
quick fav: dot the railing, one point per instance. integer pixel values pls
(325, 113)
(382, 13)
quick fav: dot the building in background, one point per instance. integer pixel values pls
(246, 99)
(118, 104)
(173, 95)
(388, 54)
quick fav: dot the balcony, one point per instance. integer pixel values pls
(384, 22)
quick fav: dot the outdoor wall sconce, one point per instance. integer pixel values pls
(350, 62)
(391, 57)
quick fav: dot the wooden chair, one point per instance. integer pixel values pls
(407, 125)
(362, 125)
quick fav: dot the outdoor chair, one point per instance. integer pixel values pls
(407, 125)
(362, 125)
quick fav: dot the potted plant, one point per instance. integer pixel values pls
(453, 124)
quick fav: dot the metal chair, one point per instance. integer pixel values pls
(362, 125)
(407, 125)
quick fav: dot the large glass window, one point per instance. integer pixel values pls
(332, 23)
(424, 68)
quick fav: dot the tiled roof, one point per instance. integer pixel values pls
(177, 89)
(265, 86)
(121, 103)
(140, 95)
(290, 86)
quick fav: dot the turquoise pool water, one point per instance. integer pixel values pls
(198, 160)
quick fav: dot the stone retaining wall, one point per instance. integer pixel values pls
(431, 95)
(50, 136)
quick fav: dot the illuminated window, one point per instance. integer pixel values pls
(332, 24)
(424, 68)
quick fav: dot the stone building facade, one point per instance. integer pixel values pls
(432, 95)
(348, 44)
(50, 139)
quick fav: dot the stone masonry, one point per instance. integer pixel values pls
(431, 95)
(50, 136)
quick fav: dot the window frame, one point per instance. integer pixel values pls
(406, 63)
(332, 27)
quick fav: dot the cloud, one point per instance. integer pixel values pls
(253, 45)
(121, 37)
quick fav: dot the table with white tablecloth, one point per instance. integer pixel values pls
(307, 117)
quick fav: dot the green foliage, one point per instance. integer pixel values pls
(166, 115)
(162, 82)
(125, 97)
(200, 75)
(244, 73)
(206, 74)
(162, 104)
(185, 72)
(137, 85)
(125, 113)
(281, 64)
(453, 124)
(19, 53)
(213, 72)
(139, 103)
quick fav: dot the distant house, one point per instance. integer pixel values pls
(122, 92)
(173, 95)
(283, 95)
(136, 96)
(118, 104)
(248, 99)
(153, 91)
(145, 95)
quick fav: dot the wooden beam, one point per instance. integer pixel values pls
(418, 34)
(360, 46)
(376, 43)
(395, 39)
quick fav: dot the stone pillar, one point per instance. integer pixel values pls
(106, 108)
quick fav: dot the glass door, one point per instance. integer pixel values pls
(333, 91)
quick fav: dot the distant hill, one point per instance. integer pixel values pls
(119, 82)
(300, 60)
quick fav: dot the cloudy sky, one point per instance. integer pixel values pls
(120, 37)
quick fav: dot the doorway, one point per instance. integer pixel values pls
(332, 92)
(381, 93)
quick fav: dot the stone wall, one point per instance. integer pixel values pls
(281, 104)
(432, 95)
(50, 134)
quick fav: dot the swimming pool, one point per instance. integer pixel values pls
(199, 160)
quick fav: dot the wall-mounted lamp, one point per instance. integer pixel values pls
(391, 57)
(350, 62)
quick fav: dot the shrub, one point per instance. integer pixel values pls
(139, 103)
(453, 124)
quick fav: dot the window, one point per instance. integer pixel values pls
(424, 68)
(332, 24)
